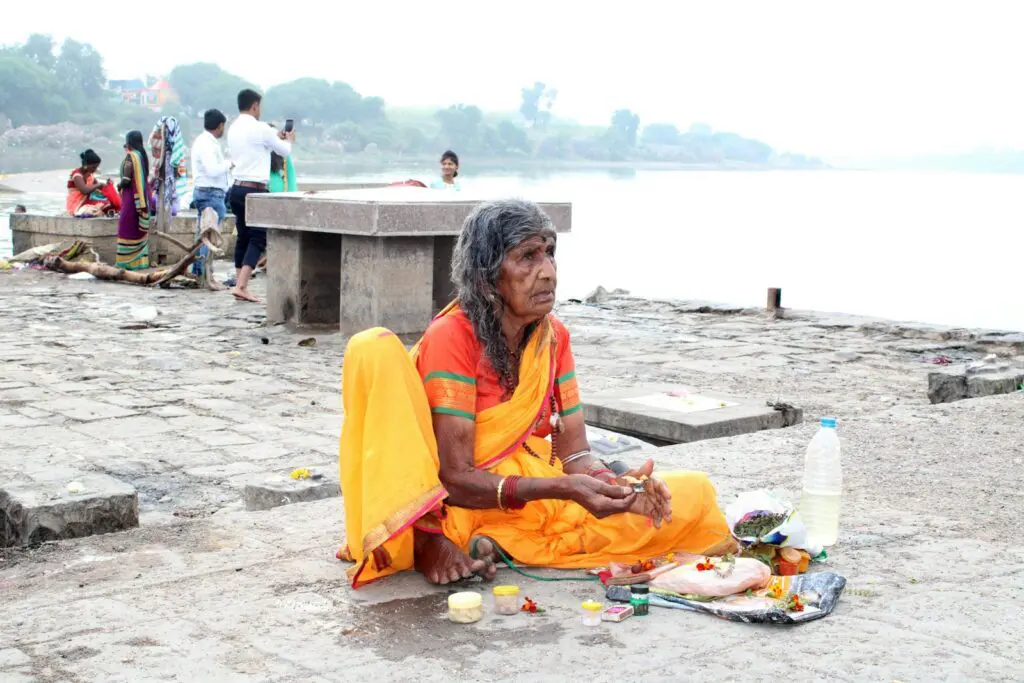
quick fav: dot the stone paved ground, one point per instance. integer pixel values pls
(192, 405)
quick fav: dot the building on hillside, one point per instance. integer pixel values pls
(136, 91)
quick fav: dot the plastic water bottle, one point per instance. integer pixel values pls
(823, 485)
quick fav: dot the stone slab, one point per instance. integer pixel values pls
(33, 512)
(648, 412)
(959, 383)
(271, 491)
(606, 444)
(84, 409)
(389, 211)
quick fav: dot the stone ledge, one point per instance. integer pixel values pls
(645, 412)
(960, 383)
(268, 491)
(47, 510)
(379, 212)
(31, 230)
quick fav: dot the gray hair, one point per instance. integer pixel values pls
(489, 233)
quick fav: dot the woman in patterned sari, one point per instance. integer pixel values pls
(445, 455)
(133, 227)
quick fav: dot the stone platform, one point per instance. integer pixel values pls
(65, 505)
(205, 590)
(31, 230)
(356, 259)
(671, 414)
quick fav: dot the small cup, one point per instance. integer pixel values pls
(506, 600)
(592, 613)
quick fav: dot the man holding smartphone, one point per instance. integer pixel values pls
(250, 142)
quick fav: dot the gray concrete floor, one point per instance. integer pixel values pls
(186, 410)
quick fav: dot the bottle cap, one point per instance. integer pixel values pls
(592, 606)
(828, 422)
(505, 591)
(467, 600)
(639, 588)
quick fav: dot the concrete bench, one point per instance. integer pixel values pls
(31, 230)
(361, 258)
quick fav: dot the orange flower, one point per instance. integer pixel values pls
(706, 565)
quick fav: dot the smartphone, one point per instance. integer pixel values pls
(289, 125)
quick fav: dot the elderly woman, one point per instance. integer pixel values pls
(445, 453)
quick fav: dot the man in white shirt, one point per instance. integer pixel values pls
(250, 143)
(210, 171)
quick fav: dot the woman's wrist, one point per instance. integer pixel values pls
(543, 488)
(578, 463)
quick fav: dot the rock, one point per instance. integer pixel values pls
(991, 384)
(145, 314)
(45, 510)
(947, 386)
(598, 296)
(279, 490)
(846, 356)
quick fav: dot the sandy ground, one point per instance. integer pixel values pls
(204, 590)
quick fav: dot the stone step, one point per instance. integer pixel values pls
(84, 504)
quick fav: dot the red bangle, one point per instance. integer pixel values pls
(512, 501)
(603, 470)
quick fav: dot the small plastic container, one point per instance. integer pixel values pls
(640, 599)
(465, 608)
(592, 613)
(506, 600)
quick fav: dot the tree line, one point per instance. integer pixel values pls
(43, 84)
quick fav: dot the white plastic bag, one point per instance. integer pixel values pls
(790, 532)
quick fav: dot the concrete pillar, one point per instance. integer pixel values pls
(444, 290)
(386, 281)
(304, 282)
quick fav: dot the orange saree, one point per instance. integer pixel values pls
(389, 461)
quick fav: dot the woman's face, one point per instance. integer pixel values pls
(448, 168)
(528, 278)
(91, 168)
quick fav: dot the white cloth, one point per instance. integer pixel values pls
(209, 167)
(250, 143)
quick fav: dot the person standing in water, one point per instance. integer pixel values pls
(449, 171)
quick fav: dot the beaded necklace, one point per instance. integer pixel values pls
(555, 420)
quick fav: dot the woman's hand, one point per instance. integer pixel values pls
(598, 498)
(656, 500)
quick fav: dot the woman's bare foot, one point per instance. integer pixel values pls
(441, 561)
(244, 295)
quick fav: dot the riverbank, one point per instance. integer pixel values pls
(192, 404)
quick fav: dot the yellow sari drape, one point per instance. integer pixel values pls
(389, 474)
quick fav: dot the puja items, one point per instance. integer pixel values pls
(784, 600)
(465, 608)
(624, 574)
(715, 577)
(592, 613)
(506, 600)
(617, 613)
(770, 530)
(640, 599)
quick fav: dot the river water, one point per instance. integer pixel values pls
(942, 248)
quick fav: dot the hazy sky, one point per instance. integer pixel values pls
(836, 79)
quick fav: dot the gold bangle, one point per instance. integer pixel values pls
(501, 485)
